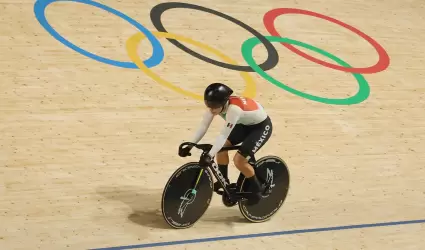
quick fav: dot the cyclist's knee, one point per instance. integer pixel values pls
(240, 158)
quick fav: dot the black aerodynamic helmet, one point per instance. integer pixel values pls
(216, 95)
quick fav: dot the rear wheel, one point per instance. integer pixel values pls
(274, 173)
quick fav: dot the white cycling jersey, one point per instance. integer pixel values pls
(239, 110)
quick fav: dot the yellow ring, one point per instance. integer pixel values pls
(133, 42)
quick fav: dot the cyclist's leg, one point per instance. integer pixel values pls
(237, 136)
(223, 156)
(256, 139)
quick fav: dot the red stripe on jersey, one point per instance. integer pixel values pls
(245, 103)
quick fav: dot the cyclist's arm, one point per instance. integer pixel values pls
(232, 116)
(202, 129)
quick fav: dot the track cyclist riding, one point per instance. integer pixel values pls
(246, 122)
(262, 185)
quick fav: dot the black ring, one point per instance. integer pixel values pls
(158, 10)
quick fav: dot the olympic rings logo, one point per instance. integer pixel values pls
(246, 49)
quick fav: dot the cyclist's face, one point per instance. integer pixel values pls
(215, 111)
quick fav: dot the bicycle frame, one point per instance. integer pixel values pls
(219, 175)
(213, 167)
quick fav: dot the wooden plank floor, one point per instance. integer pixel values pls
(86, 147)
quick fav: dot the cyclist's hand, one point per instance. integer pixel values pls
(185, 151)
(206, 160)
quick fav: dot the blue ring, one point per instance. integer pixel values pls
(155, 59)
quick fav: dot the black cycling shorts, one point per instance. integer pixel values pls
(252, 137)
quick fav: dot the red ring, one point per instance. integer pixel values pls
(381, 65)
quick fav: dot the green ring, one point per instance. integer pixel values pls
(361, 95)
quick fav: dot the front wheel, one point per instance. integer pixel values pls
(274, 173)
(187, 195)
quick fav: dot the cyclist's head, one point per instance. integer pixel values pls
(216, 96)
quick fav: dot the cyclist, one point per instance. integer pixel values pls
(246, 122)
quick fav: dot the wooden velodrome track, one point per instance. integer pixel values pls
(87, 146)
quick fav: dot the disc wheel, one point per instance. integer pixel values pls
(273, 171)
(187, 195)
